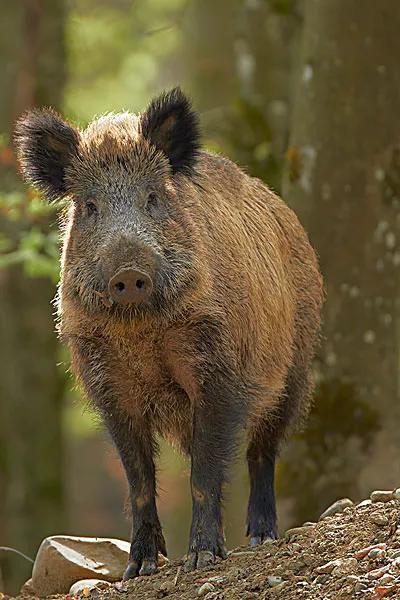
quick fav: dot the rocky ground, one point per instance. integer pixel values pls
(352, 552)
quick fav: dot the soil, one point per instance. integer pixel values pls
(293, 567)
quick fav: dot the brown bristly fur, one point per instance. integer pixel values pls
(228, 338)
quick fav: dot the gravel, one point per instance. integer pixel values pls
(344, 557)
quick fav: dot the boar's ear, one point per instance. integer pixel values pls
(45, 145)
(170, 124)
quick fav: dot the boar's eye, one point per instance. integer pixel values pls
(152, 203)
(152, 200)
(91, 208)
(155, 207)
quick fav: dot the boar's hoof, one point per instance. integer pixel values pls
(148, 567)
(131, 571)
(202, 559)
(258, 539)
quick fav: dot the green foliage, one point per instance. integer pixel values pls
(26, 239)
(118, 54)
(283, 7)
(242, 132)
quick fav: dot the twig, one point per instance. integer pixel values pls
(177, 575)
(6, 549)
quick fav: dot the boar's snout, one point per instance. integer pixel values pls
(130, 286)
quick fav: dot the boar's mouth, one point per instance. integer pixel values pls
(105, 298)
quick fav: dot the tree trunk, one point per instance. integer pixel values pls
(31, 384)
(344, 182)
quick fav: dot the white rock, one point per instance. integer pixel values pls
(63, 560)
(205, 588)
(87, 584)
(382, 496)
(347, 566)
(364, 503)
(274, 580)
(336, 507)
(328, 567)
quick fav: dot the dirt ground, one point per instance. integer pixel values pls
(294, 567)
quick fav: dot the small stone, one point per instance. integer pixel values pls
(360, 554)
(165, 587)
(321, 579)
(309, 524)
(274, 580)
(296, 532)
(396, 494)
(379, 519)
(382, 496)
(387, 578)
(361, 586)
(352, 579)
(381, 591)
(309, 559)
(277, 589)
(296, 547)
(364, 503)
(336, 507)
(85, 586)
(396, 564)
(378, 573)
(217, 579)
(376, 554)
(346, 566)
(328, 567)
(205, 588)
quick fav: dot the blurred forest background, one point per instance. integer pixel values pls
(305, 94)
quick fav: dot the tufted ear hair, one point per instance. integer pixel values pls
(170, 124)
(45, 145)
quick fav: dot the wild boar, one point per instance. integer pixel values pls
(190, 301)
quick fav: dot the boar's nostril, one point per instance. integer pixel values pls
(129, 286)
(119, 286)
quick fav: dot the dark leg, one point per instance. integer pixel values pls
(215, 429)
(261, 512)
(136, 448)
(262, 452)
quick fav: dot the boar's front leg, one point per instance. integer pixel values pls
(217, 419)
(136, 447)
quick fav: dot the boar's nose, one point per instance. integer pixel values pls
(129, 286)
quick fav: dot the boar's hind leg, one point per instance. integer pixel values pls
(261, 512)
(217, 421)
(262, 452)
(136, 448)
